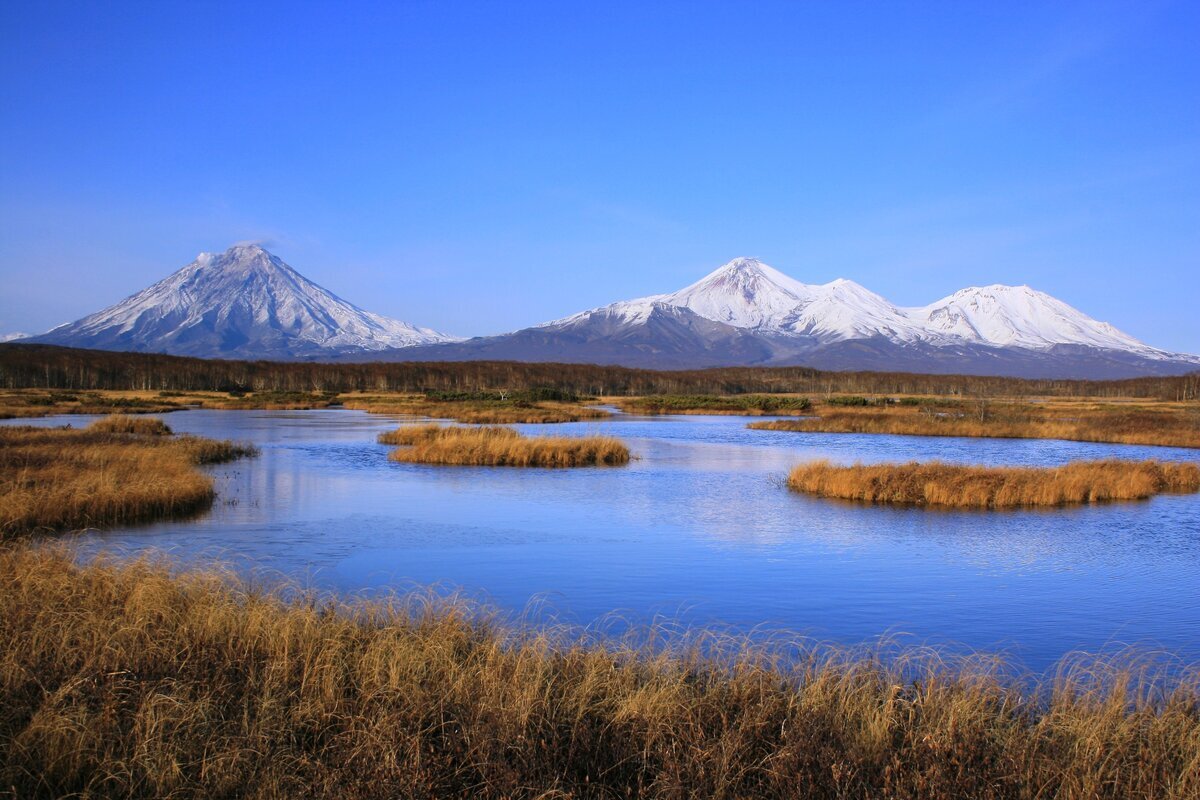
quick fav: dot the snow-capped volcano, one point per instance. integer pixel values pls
(746, 293)
(748, 313)
(243, 303)
(1018, 316)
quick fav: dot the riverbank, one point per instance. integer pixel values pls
(1168, 424)
(738, 404)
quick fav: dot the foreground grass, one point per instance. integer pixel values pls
(1166, 424)
(749, 404)
(122, 679)
(501, 447)
(119, 470)
(951, 485)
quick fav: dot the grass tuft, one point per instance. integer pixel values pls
(951, 485)
(501, 447)
(123, 423)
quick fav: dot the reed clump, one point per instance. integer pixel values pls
(119, 470)
(124, 423)
(132, 679)
(951, 485)
(495, 446)
(1169, 425)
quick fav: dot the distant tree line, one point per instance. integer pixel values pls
(50, 367)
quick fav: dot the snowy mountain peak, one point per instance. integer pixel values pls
(245, 302)
(745, 293)
(1020, 316)
(748, 294)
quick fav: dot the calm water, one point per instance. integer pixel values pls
(699, 529)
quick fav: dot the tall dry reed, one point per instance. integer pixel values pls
(122, 679)
(501, 447)
(940, 484)
(119, 470)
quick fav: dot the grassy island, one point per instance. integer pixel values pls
(131, 679)
(951, 485)
(1148, 423)
(119, 470)
(495, 446)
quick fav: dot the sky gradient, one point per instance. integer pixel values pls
(479, 168)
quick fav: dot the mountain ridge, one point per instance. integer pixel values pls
(247, 303)
(759, 316)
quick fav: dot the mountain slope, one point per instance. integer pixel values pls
(1019, 316)
(655, 335)
(243, 303)
(746, 313)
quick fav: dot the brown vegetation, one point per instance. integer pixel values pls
(25, 403)
(952, 485)
(132, 680)
(501, 447)
(1165, 424)
(482, 412)
(50, 367)
(120, 470)
(123, 423)
(740, 404)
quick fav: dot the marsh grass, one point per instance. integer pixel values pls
(26, 403)
(951, 485)
(29, 403)
(749, 404)
(123, 423)
(119, 470)
(500, 447)
(478, 408)
(132, 679)
(1170, 425)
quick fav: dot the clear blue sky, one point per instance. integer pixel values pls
(482, 167)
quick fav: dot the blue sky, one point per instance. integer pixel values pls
(482, 167)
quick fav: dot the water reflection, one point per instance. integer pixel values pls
(700, 527)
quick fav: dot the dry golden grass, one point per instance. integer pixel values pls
(1165, 424)
(123, 423)
(481, 412)
(739, 404)
(123, 679)
(501, 447)
(23, 403)
(119, 470)
(951, 485)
